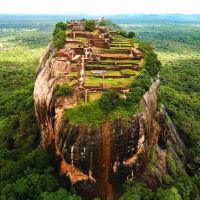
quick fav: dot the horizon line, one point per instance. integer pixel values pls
(101, 14)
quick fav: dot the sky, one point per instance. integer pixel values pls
(99, 7)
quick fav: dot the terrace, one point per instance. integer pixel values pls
(101, 60)
(112, 83)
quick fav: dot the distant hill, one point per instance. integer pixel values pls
(120, 18)
(127, 19)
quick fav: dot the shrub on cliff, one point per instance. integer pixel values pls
(151, 63)
(90, 25)
(59, 195)
(139, 87)
(61, 25)
(137, 191)
(123, 33)
(59, 39)
(63, 90)
(59, 35)
(167, 194)
(109, 100)
(131, 34)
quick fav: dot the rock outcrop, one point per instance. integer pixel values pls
(99, 160)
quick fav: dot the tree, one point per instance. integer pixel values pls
(102, 23)
(151, 63)
(168, 194)
(59, 39)
(59, 35)
(131, 34)
(139, 87)
(171, 164)
(123, 33)
(64, 90)
(136, 95)
(61, 194)
(137, 191)
(61, 25)
(90, 25)
(109, 100)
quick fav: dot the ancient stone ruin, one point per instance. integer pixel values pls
(99, 59)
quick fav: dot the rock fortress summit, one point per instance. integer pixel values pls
(97, 107)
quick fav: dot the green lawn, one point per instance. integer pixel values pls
(83, 40)
(88, 72)
(73, 74)
(92, 115)
(113, 73)
(120, 61)
(108, 73)
(94, 96)
(121, 42)
(120, 39)
(117, 48)
(113, 50)
(129, 71)
(71, 83)
(99, 65)
(115, 82)
(121, 45)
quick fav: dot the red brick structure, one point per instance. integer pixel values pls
(77, 26)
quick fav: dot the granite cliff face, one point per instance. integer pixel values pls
(99, 160)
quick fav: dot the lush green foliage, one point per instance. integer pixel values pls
(61, 194)
(177, 46)
(27, 178)
(59, 35)
(109, 100)
(21, 43)
(64, 90)
(25, 173)
(90, 25)
(137, 191)
(62, 26)
(151, 63)
(141, 84)
(177, 185)
(123, 33)
(168, 194)
(139, 87)
(92, 115)
(59, 39)
(131, 34)
(18, 131)
(102, 23)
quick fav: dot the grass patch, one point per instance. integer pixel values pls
(83, 40)
(115, 82)
(121, 42)
(108, 73)
(114, 51)
(88, 73)
(121, 45)
(91, 114)
(129, 71)
(71, 83)
(94, 96)
(113, 73)
(120, 61)
(99, 65)
(73, 74)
